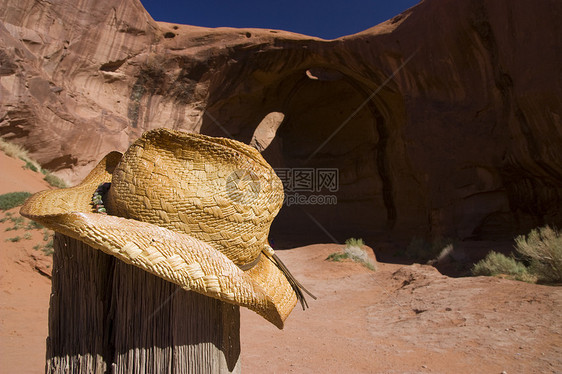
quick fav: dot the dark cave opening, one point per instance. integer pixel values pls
(328, 153)
(320, 121)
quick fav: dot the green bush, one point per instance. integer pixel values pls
(13, 199)
(353, 250)
(29, 165)
(496, 263)
(352, 242)
(32, 225)
(337, 256)
(17, 221)
(54, 181)
(542, 248)
(47, 249)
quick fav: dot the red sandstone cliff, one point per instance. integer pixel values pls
(463, 140)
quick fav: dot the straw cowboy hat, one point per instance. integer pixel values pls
(189, 208)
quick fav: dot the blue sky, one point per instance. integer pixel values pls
(327, 19)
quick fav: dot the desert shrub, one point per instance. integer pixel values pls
(31, 166)
(352, 242)
(337, 256)
(54, 181)
(8, 216)
(17, 151)
(423, 250)
(32, 225)
(46, 235)
(444, 253)
(14, 240)
(13, 150)
(13, 199)
(354, 251)
(542, 248)
(17, 221)
(48, 248)
(496, 263)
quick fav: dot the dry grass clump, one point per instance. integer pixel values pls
(54, 181)
(17, 151)
(540, 253)
(425, 251)
(542, 248)
(354, 251)
(12, 150)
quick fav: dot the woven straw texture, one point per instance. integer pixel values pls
(188, 208)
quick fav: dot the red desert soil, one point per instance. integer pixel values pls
(398, 319)
(14, 177)
(24, 292)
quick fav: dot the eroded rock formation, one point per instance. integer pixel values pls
(444, 120)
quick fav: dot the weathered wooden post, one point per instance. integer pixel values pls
(109, 316)
(154, 253)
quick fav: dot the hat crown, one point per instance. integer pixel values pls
(218, 190)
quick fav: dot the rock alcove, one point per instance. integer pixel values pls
(327, 137)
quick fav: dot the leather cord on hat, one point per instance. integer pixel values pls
(295, 284)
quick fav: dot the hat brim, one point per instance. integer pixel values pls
(176, 257)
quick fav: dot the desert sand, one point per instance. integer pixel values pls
(397, 319)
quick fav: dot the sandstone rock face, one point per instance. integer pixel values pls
(443, 121)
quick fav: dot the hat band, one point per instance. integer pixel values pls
(250, 265)
(99, 195)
